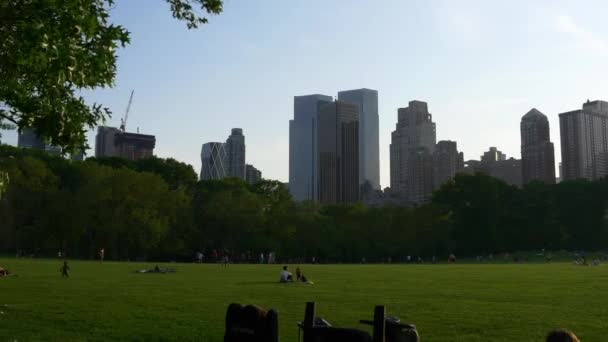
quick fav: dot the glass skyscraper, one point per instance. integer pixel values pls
(369, 146)
(303, 146)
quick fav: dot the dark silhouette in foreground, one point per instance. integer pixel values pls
(251, 324)
(561, 335)
(316, 329)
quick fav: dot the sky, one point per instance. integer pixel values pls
(480, 66)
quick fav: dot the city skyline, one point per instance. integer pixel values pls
(504, 60)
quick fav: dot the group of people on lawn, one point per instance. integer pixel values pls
(286, 277)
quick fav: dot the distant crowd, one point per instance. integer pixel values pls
(226, 256)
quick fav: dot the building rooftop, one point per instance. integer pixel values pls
(534, 114)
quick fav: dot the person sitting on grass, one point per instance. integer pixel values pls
(285, 276)
(561, 335)
(305, 280)
(301, 277)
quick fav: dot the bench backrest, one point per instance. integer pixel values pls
(251, 324)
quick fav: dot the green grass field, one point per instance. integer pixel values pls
(446, 302)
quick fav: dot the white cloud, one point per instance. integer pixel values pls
(586, 38)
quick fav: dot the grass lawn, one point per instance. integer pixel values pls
(446, 302)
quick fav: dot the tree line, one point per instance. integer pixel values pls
(156, 209)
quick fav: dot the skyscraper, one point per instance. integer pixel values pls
(584, 141)
(235, 154)
(412, 146)
(27, 138)
(369, 148)
(537, 156)
(447, 162)
(303, 146)
(213, 158)
(252, 175)
(105, 141)
(338, 148)
(420, 176)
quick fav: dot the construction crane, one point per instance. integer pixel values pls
(123, 122)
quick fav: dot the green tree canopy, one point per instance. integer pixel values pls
(52, 49)
(155, 208)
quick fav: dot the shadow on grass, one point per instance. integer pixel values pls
(263, 283)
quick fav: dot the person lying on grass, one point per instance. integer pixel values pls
(156, 269)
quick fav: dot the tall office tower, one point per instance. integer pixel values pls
(493, 155)
(369, 146)
(134, 146)
(105, 141)
(252, 175)
(412, 145)
(447, 162)
(584, 138)
(235, 154)
(213, 158)
(27, 138)
(338, 148)
(537, 156)
(303, 146)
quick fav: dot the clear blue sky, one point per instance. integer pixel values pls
(480, 65)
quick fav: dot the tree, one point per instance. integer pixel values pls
(113, 162)
(51, 49)
(178, 175)
(228, 215)
(478, 206)
(129, 213)
(27, 195)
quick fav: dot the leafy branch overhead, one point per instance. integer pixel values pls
(50, 50)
